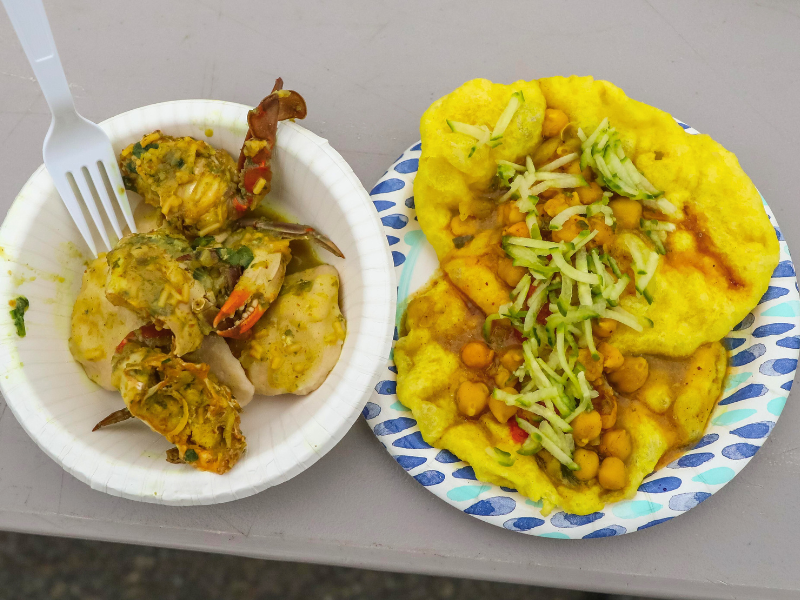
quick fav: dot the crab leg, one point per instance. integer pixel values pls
(255, 173)
(118, 416)
(291, 231)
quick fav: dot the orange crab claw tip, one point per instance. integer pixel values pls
(242, 328)
(235, 300)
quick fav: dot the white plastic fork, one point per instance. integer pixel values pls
(76, 151)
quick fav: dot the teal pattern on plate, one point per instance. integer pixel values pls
(763, 352)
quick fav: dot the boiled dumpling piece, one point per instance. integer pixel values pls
(98, 326)
(299, 339)
(223, 364)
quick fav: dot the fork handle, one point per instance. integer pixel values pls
(33, 30)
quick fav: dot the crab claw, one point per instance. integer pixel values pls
(238, 299)
(255, 173)
(257, 288)
(291, 231)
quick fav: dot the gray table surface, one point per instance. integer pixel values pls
(368, 70)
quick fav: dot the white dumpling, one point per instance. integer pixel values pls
(214, 352)
(299, 339)
(98, 326)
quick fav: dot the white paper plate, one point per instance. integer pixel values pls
(763, 360)
(42, 256)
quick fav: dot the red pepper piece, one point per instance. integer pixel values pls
(517, 433)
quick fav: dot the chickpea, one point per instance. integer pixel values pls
(605, 235)
(627, 212)
(612, 358)
(589, 193)
(510, 214)
(612, 474)
(517, 230)
(616, 442)
(568, 146)
(570, 229)
(554, 121)
(472, 398)
(603, 328)
(594, 368)
(477, 355)
(573, 168)
(609, 418)
(509, 273)
(631, 375)
(586, 427)
(502, 376)
(544, 153)
(512, 359)
(588, 462)
(461, 226)
(502, 411)
(555, 205)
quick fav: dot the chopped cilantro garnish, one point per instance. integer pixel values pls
(202, 241)
(18, 314)
(241, 257)
(138, 150)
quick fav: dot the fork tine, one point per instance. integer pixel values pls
(115, 179)
(88, 200)
(71, 202)
(102, 192)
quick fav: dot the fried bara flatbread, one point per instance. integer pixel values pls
(430, 372)
(719, 261)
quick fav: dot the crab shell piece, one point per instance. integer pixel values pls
(255, 173)
(291, 231)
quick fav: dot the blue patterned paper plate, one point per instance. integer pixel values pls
(763, 359)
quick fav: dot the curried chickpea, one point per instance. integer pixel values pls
(510, 214)
(512, 359)
(472, 398)
(612, 474)
(517, 230)
(461, 226)
(570, 229)
(555, 205)
(609, 418)
(586, 427)
(612, 358)
(603, 328)
(631, 375)
(509, 273)
(502, 411)
(588, 462)
(589, 193)
(616, 442)
(605, 234)
(594, 368)
(554, 121)
(502, 376)
(627, 212)
(477, 355)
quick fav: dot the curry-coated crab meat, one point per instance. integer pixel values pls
(199, 188)
(181, 401)
(146, 276)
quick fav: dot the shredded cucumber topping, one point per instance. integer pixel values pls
(483, 135)
(503, 458)
(568, 284)
(603, 152)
